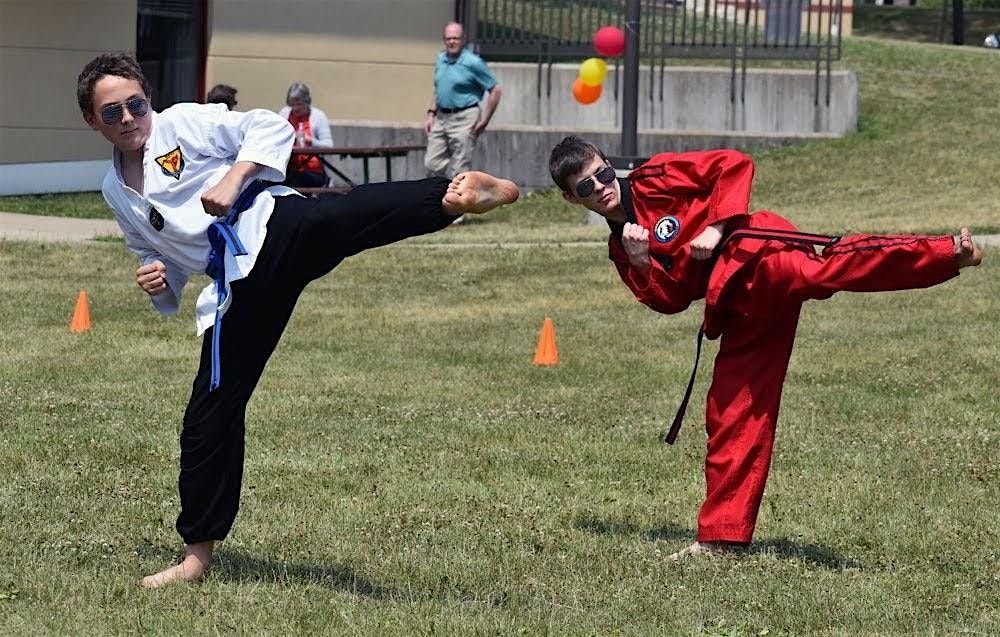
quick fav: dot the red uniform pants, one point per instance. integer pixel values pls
(760, 313)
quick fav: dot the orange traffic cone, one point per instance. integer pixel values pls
(81, 315)
(546, 353)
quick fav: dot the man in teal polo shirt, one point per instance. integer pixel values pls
(454, 119)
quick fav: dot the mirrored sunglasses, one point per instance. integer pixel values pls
(112, 113)
(586, 186)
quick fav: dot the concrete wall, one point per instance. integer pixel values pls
(362, 59)
(43, 46)
(694, 98)
(521, 153)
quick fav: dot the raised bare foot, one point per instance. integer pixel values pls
(475, 193)
(966, 250)
(193, 568)
(708, 549)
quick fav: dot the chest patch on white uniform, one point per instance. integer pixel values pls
(172, 164)
(156, 219)
(666, 228)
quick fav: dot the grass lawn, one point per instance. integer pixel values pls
(409, 471)
(925, 23)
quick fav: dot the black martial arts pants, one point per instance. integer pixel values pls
(306, 238)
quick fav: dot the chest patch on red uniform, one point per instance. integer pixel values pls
(172, 164)
(666, 228)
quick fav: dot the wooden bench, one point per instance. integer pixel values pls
(365, 153)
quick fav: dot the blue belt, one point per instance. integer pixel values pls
(222, 236)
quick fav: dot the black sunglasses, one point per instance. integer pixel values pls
(586, 186)
(112, 113)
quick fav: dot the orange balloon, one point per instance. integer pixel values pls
(584, 93)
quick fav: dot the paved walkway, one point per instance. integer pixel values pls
(40, 228)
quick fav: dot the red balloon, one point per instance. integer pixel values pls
(584, 93)
(609, 41)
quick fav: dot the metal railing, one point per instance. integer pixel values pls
(549, 31)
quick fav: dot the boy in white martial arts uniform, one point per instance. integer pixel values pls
(174, 175)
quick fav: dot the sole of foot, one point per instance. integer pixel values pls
(476, 193)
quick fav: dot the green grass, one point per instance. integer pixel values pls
(79, 205)
(409, 471)
(924, 159)
(924, 23)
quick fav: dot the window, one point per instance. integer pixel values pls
(170, 37)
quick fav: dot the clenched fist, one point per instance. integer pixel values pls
(704, 244)
(152, 278)
(219, 199)
(635, 240)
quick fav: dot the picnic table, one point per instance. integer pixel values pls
(365, 153)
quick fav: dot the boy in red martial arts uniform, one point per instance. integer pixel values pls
(681, 230)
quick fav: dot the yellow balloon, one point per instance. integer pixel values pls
(593, 71)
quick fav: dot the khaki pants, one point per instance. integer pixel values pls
(450, 143)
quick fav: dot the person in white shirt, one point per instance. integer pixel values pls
(190, 188)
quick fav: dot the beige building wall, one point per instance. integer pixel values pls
(43, 46)
(362, 59)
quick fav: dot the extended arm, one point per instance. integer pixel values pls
(492, 100)
(431, 112)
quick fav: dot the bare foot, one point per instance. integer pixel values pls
(475, 193)
(966, 250)
(708, 549)
(193, 568)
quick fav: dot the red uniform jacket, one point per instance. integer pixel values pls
(676, 196)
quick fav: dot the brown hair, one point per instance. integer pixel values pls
(222, 94)
(569, 157)
(116, 64)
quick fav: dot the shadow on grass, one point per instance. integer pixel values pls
(813, 553)
(783, 548)
(238, 566)
(608, 527)
(241, 567)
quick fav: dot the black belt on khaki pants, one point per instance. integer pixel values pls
(449, 111)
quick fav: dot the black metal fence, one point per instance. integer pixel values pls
(549, 31)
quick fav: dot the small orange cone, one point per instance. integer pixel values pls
(546, 353)
(81, 315)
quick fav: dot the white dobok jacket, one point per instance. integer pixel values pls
(190, 148)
